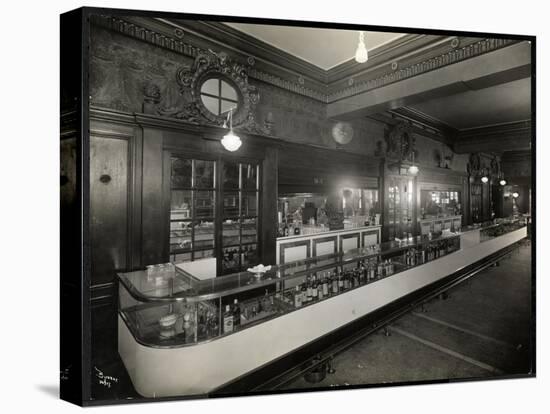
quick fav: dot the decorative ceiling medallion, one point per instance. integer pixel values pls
(301, 80)
(394, 65)
(455, 42)
(251, 61)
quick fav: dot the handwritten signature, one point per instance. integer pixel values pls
(105, 380)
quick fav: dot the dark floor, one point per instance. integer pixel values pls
(481, 329)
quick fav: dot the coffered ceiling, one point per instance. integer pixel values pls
(324, 48)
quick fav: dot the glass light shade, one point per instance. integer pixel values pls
(502, 182)
(361, 54)
(515, 194)
(231, 142)
(484, 179)
(413, 170)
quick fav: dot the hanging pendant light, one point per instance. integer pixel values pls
(230, 141)
(361, 54)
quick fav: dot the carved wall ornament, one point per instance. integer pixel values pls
(394, 65)
(474, 164)
(188, 106)
(400, 142)
(179, 33)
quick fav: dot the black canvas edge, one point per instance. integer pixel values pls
(75, 317)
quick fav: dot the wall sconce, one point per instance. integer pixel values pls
(515, 194)
(230, 141)
(503, 182)
(484, 179)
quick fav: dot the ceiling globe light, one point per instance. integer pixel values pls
(502, 182)
(230, 141)
(515, 194)
(484, 179)
(413, 170)
(361, 54)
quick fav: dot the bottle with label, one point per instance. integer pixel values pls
(340, 282)
(314, 289)
(228, 320)
(309, 289)
(380, 270)
(297, 297)
(372, 271)
(334, 283)
(325, 286)
(304, 293)
(236, 314)
(286, 230)
(320, 291)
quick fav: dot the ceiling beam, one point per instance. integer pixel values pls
(489, 69)
(515, 136)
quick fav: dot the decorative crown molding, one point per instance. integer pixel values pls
(448, 52)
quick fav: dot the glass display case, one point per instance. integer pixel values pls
(166, 307)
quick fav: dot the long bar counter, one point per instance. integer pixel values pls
(165, 362)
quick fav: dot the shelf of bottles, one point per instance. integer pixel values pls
(240, 301)
(240, 217)
(491, 231)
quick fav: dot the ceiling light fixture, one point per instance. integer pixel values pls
(515, 194)
(361, 54)
(503, 182)
(485, 179)
(230, 141)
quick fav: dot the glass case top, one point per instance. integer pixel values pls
(183, 286)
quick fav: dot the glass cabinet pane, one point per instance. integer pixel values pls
(250, 204)
(230, 175)
(231, 204)
(180, 236)
(204, 204)
(204, 235)
(231, 233)
(181, 205)
(204, 174)
(249, 174)
(249, 231)
(181, 172)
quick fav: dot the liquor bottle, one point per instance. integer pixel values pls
(227, 320)
(266, 302)
(236, 314)
(363, 276)
(304, 293)
(325, 286)
(423, 256)
(297, 297)
(320, 294)
(314, 289)
(380, 270)
(391, 267)
(286, 230)
(346, 280)
(340, 282)
(334, 283)
(309, 289)
(372, 271)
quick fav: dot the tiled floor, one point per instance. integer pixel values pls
(481, 329)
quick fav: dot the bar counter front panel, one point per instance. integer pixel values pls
(202, 367)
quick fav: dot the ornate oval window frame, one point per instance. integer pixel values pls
(208, 65)
(205, 112)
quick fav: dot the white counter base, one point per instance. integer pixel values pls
(202, 368)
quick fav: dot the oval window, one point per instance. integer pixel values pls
(218, 96)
